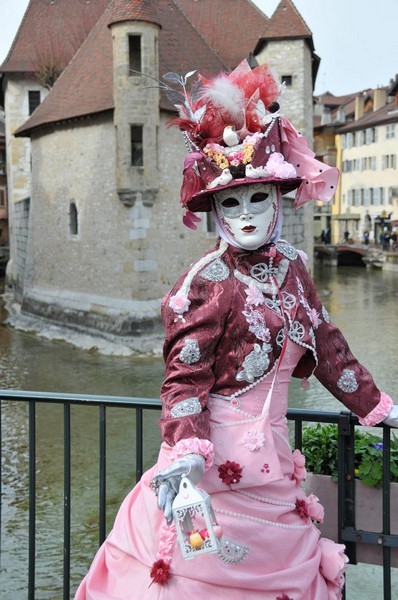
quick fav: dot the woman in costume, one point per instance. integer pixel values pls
(239, 324)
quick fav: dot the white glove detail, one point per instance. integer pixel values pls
(192, 465)
(392, 417)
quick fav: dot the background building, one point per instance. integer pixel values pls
(94, 171)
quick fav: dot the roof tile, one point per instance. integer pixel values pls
(243, 21)
(42, 27)
(286, 22)
(134, 10)
(86, 85)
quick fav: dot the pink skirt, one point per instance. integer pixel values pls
(279, 554)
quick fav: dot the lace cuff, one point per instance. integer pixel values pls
(194, 446)
(380, 412)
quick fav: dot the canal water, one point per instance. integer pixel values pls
(363, 303)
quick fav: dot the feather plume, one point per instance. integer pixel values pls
(227, 96)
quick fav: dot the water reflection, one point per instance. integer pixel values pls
(361, 302)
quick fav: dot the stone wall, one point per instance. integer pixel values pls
(293, 57)
(21, 233)
(16, 108)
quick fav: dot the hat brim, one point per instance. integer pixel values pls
(200, 202)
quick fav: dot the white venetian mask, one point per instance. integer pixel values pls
(248, 213)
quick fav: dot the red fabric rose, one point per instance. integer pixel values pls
(160, 572)
(302, 508)
(230, 472)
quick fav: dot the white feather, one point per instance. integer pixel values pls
(226, 95)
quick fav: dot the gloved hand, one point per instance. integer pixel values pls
(392, 417)
(191, 465)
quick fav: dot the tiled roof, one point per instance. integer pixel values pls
(286, 22)
(231, 27)
(386, 114)
(332, 101)
(86, 85)
(44, 25)
(134, 10)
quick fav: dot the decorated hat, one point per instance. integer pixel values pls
(236, 135)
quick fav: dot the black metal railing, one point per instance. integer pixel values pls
(345, 421)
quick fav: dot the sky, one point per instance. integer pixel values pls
(356, 39)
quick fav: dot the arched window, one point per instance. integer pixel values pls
(73, 219)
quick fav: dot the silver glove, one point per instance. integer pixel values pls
(168, 481)
(392, 417)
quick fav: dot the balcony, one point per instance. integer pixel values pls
(59, 581)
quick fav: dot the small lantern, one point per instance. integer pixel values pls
(195, 521)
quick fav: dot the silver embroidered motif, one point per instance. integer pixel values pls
(287, 250)
(231, 552)
(273, 305)
(289, 301)
(348, 382)
(190, 353)
(278, 274)
(296, 331)
(325, 315)
(255, 363)
(191, 406)
(261, 272)
(216, 271)
(280, 338)
(256, 322)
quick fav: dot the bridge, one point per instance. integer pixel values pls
(348, 254)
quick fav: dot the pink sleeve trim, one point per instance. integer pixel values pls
(380, 412)
(194, 446)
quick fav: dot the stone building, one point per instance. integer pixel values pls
(3, 198)
(96, 227)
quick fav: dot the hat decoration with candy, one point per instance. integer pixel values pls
(236, 135)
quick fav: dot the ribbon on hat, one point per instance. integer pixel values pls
(319, 180)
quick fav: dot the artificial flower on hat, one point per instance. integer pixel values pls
(236, 135)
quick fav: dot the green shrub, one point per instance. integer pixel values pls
(320, 449)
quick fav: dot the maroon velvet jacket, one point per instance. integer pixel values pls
(225, 324)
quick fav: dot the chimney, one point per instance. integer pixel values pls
(359, 106)
(379, 98)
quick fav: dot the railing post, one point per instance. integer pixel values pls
(67, 501)
(386, 513)
(32, 500)
(138, 444)
(102, 474)
(346, 480)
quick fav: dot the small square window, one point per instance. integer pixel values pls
(287, 80)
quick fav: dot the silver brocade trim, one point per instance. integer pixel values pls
(255, 363)
(296, 331)
(216, 271)
(325, 315)
(232, 552)
(191, 406)
(287, 250)
(348, 382)
(190, 353)
(267, 288)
